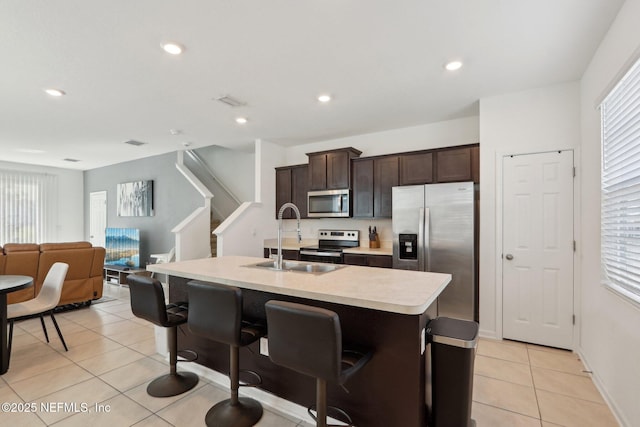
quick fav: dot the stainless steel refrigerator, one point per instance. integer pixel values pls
(433, 230)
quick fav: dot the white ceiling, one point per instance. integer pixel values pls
(382, 60)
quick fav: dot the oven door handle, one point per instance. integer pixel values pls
(331, 254)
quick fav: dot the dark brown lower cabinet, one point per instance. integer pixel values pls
(382, 261)
(288, 254)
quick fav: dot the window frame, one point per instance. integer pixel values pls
(38, 189)
(619, 225)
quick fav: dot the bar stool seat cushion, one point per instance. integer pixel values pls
(318, 351)
(148, 303)
(216, 314)
(177, 314)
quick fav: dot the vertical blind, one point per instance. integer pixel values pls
(620, 214)
(28, 207)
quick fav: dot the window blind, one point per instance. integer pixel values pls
(28, 207)
(620, 212)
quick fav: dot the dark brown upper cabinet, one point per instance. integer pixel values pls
(372, 182)
(416, 168)
(292, 186)
(385, 176)
(331, 170)
(456, 164)
(363, 188)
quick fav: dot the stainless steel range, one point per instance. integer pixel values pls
(331, 243)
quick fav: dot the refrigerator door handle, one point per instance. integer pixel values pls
(427, 240)
(421, 241)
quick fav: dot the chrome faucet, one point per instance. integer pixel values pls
(280, 212)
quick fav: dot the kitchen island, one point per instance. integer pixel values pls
(382, 309)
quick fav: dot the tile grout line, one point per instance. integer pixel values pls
(503, 380)
(535, 389)
(508, 410)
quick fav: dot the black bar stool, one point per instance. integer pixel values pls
(215, 313)
(308, 340)
(147, 302)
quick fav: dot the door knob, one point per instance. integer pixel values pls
(509, 257)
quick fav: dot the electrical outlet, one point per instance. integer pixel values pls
(264, 346)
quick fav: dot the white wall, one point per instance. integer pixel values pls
(234, 168)
(70, 214)
(243, 233)
(610, 339)
(434, 135)
(526, 122)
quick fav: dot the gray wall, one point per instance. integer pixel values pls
(173, 199)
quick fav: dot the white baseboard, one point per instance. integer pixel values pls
(603, 391)
(283, 407)
(484, 333)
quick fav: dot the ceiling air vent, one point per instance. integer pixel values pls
(71, 160)
(134, 142)
(230, 101)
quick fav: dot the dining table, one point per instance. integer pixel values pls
(8, 283)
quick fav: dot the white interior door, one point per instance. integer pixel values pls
(97, 217)
(537, 263)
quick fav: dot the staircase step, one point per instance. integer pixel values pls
(214, 239)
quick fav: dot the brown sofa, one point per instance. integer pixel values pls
(84, 278)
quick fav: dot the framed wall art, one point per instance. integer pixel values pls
(135, 198)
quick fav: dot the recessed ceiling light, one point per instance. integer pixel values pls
(173, 48)
(324, 98)
(54, 92)
(241, 120)
(453, 65)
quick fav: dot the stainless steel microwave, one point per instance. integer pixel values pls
(329, 204)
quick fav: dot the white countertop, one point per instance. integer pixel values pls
(397, 291)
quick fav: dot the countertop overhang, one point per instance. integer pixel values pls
(396, 291)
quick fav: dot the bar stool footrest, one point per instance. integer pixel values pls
(254, 374)
(332, 412)
(187, 356)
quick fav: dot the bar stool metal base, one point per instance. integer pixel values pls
(247, 412)
(172, 384)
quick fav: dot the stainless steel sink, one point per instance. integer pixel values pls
(302, 267)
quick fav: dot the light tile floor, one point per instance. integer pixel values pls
(517, 384)
(102, 379)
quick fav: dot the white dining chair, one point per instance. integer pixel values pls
(167, 257)
(47, 299)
